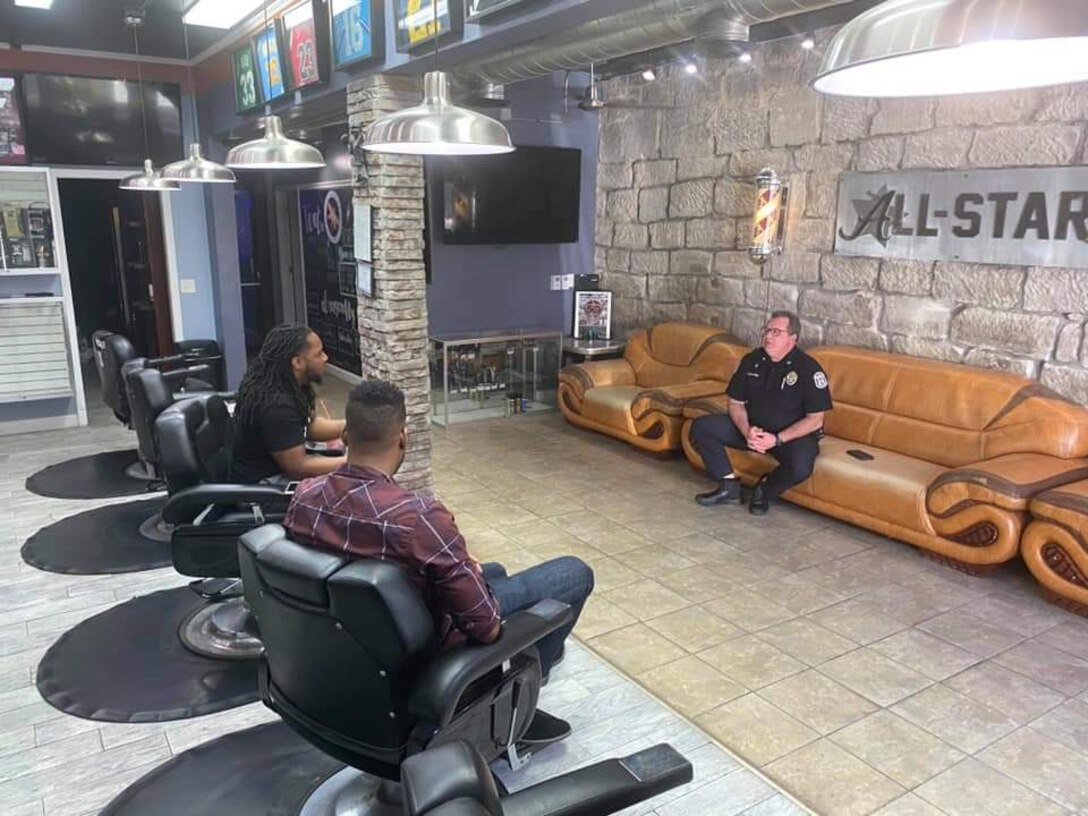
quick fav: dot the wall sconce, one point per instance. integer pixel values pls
(768, 221)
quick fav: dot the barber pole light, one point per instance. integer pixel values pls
(767, 223)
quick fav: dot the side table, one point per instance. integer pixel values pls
(579, 351)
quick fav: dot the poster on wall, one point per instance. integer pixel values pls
(415, 21)
(300, 36)
(327, 255)
(270, 66)
(356, 34)
(247, 89)
(593, 315)
(12, 140)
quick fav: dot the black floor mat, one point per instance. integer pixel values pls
(263, 771)
(127, 665)
(100, 541)
(101, 476)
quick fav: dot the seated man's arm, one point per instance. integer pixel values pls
(323, 429)
(738, 412)
(802, 427)
(455, 576)
(295, 463)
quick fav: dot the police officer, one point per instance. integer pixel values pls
(777, 400)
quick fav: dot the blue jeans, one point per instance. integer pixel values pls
(567, 579)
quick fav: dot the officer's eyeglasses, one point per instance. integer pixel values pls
(774, 332)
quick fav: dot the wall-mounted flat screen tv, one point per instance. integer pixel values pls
(530, 196)
(89, 120)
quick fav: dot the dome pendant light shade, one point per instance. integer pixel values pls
(274, 151)
(943, 47)
(148, 181)
(437, 127)
(198, 169)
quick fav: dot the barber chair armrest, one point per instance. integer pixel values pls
(186, 505)
(226, 396)
(180, 377)
(168, 360)
(1008, 481)
(442, 682)
(606, 787)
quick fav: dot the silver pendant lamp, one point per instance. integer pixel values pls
(941, 47)
(196, 168)
(149, 181)
(437, 127)
(274, 151)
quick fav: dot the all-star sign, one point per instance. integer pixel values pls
(1027, 217)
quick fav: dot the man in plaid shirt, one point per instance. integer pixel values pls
(360, 510)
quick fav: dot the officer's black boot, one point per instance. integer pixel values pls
(758, 504)
(728, 492)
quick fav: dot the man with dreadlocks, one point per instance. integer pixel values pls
(274, 415)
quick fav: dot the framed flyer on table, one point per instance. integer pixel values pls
(593, 315)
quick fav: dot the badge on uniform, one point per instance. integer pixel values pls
(819, 379)
(791, 378)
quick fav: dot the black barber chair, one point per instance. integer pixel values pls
(351, 663)
(207, 514)
(454, 780)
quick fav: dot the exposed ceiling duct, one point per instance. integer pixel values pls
(643, 28)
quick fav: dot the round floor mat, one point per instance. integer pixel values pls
(127, 665)
(99, 476)
(267, 770)
(100, 541)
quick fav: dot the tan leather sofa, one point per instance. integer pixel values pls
(1055, 544)
(640, 398)
(959, 452)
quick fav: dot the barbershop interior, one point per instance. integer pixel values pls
(543, 407)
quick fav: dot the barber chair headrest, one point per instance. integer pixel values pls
(116, 351)
(194, 442)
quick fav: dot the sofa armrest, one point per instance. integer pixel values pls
(671, 399)
(444, 680)
(1008, 482)
(704, 406)
(583, 376)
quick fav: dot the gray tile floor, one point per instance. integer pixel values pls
(52, 764)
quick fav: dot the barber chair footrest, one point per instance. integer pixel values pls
(222, 629)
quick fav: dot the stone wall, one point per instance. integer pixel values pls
(393, 324)
(674, 205)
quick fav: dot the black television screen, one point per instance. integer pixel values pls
(530, 196)
(87, 120)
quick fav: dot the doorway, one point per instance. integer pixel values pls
(116, 263)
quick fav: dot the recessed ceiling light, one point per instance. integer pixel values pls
(691, 68)
(745, 56)
(219, 13)
(649, 75)
(808, 43)
(36, 4)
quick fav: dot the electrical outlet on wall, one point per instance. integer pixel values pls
(557, 282)
(568, 281)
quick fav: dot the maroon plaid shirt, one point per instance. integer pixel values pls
(363, 512)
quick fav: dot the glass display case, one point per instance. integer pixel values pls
(26, 224)
(493, 374)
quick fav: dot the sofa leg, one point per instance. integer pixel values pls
(956, 564)
(1067, 604)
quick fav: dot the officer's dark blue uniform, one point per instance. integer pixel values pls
(776, 396)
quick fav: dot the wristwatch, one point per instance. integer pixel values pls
(777, 441)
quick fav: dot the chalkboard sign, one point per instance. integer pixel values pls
(327, 249)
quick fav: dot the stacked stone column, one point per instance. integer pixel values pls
(393, 324)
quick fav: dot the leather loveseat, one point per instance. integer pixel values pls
(1055, 544)
(958, 452)
(640, 398)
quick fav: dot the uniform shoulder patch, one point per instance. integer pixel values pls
(819, 379)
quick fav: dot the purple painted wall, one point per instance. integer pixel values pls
(480, 288)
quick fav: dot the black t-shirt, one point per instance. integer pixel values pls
(278, 426)
(779, 394)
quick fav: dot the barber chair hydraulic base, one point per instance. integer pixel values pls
(99, 476)
(354, 793)
(224, 630)
(126, 537)
(128, 664)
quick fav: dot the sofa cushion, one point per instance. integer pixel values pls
(675, 353)
(611, 406)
